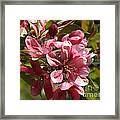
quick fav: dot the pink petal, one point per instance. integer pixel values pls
(89, 58)
(47, 46)
(52, 60)
(66, 50)
(76, 49)
(36, 87)
(49, 43)
(66, 86)
(78, 62)
(34, 47)
(72, 75)
(79, 50)
(75, 40)
(81, 81)
(84, 42)
(56, 76)
(58, 44)
(84, 71)
(77, 33)
(65, 38)
(48, 87)
(76, 36)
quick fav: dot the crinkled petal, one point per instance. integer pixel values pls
(33, 46)
(84, 42)
(77, 33)
(56, 76)
(52, 60)
(58, 44)
(76, 36)
(79, 50)
(78, 62)
(66, 50)
(65, 38)
(84, 71)
(75, 40)
(49, 43)
(89, 58)
(66, 86)
(81, 81)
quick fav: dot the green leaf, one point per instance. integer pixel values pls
(93, 41)
(94, 73)
(90, 27)
(49, 23)
(24, 90)
(26, 78)
(85, 25)
(28, 64)
(93, 30)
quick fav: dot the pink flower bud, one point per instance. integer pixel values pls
(53, 30)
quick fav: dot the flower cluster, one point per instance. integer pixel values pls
(59, 66)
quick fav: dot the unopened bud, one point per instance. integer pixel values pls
(53, 30)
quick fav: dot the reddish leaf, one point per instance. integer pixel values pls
(74, 94)
(36, 67)
(36, 87)
(48, 87)
(59, 94)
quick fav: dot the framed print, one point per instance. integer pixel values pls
(60, 59)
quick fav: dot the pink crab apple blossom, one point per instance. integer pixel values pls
(59, 68)
(72, 66)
